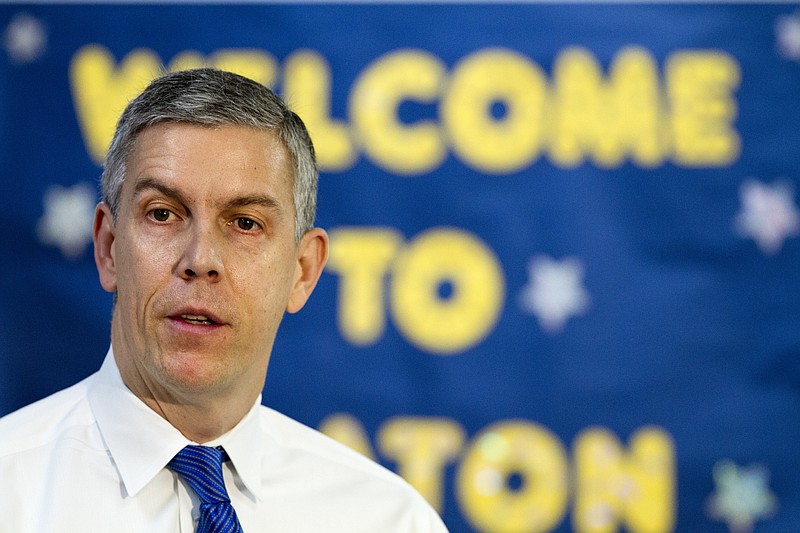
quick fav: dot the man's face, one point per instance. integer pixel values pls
(203, 258)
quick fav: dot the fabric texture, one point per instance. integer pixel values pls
(201, 468)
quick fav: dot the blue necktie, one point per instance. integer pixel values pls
(201, 468)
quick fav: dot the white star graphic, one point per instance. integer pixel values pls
(768, 215)
(554, 292)
(787, 33)
(741, 497)
(25, 38)
(67, 219)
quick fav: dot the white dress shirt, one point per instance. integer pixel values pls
(93, 458)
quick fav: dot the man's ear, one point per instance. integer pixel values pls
(311, 256)
(104, 237)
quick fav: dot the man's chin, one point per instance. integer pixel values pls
(189, 373)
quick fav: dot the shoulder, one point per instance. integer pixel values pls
(293, 435)
(345, 479)
(46, 420)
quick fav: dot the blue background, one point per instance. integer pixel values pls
(691, 327)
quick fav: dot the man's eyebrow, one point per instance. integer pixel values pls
(262, 200)
(150, 183)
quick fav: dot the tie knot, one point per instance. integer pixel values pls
(201, 468)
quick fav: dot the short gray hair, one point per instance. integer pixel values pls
(210, 97)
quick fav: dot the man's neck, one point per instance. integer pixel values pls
(199, 422)
(201, 417)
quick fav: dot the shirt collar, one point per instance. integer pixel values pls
(244, 445)
(141, 442)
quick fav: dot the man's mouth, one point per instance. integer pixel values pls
(198, 319)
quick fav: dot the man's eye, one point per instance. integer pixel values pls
(246, 224)
(161, 215)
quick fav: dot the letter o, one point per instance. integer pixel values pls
(495, 145)
(446, 325)
(510, 449)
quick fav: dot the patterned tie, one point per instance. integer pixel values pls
(201, 468)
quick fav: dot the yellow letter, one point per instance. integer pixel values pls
(422, 448)
(638, 489)
(609, 120)
(362, 258)
(459, 262)
(307, 85)
(254, 64)
(703, 110)
(349, 431)
(186, 60)
(513, 479)
(495, 77)
(101, 91)
(374, 102)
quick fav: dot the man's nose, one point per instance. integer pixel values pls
(202, 256)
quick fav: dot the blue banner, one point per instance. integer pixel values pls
(564, 285)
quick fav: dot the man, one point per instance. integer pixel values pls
(205, 235)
